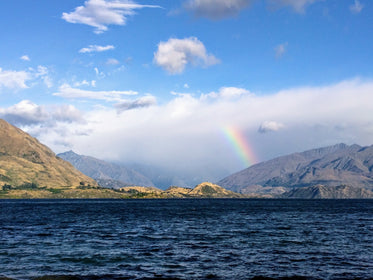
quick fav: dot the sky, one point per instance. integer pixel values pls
(203, 87)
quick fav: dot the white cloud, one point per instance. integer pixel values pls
(14, 79)
(99, 73)
(24, 113)
(101, 13)
(299, 6)
(268, 126)
(66, 91)
(85, 83)
(55, 121)
(226, 93)
(96, 48)
(17, 80)
(112, 61)
(280, 50)
(25, 57)
(216, 9)
(42, 72)
(357, 7)
(175, 54)
(67, 113)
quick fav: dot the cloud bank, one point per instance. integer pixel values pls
(186, 134)
(174, 54)
(101, 13)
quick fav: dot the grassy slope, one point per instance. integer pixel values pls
(205, 190)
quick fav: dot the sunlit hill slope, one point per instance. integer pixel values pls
(24, 161)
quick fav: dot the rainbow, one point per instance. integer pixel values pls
(240, 145)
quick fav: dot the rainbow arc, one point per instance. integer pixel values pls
(241, 146)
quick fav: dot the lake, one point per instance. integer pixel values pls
(186, 239)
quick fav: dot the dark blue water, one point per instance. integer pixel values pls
(187, 239)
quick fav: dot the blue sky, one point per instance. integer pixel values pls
(155, 81)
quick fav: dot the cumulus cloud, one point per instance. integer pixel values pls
(14, 79)
(96, 48)
(141, 102)
(66, 91)
(357, 7)
(280, 50)
(216, 9)
(299, 6)
(24, 113)
(268, 126)
(55, 121)
(17, 80)
(174, 54)
(101, 13)
(27, 113)
(25, 57)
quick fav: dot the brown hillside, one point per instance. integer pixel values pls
(23, 159)
(207, 189)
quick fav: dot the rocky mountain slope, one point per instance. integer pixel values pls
(107, 174)
(326, 192)
(25, 162)
(331, 166)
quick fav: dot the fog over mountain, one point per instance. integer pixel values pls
(106, 173)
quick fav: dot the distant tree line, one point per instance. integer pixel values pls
(24, 186)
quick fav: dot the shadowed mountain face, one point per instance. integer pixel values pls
(24, 160)
(325, 192)
(107, 174)
(331, 166)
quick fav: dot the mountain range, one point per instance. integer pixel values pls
(29, 169)
(107, 174)
(331, 166)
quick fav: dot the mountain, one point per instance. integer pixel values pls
(25, 163)
(210, 190)
(330, 166)
(107, 174)
(326, 192)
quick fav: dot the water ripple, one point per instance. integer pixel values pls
(186, 239)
